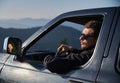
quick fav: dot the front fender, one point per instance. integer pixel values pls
(3, 59)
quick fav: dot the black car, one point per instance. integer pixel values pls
(25, 63)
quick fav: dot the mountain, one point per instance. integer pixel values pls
(52, 39)
(22, 23)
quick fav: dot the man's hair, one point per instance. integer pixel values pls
(95, 25)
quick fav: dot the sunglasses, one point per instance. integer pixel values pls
(86, 36)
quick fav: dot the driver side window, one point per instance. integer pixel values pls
(66, 33)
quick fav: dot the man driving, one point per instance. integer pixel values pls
(75, 57)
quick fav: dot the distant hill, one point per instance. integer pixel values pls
(22, 23)
(52, 38)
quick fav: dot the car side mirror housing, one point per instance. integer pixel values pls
(12, 46)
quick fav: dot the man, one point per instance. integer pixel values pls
(75, 57)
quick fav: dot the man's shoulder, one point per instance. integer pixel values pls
(87, 51)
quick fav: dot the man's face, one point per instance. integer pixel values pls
(87, 38)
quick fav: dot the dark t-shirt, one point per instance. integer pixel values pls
(63, 64)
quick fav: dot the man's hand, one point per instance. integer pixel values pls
(65, 48)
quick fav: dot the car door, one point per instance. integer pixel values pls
(110, 67)
(45, 42)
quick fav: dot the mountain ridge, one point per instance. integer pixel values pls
(23, 23)
(24, 34)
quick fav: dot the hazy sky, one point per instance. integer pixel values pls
(45, 8)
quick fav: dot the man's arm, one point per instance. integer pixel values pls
(59, 65)
(65, 64)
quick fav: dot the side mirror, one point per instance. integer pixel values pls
(12, 46)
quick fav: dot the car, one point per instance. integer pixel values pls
(24, 64)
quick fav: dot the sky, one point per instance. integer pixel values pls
(15, 9)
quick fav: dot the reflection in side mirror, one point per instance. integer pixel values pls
(12, 46)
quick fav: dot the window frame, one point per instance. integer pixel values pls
(82, 21)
